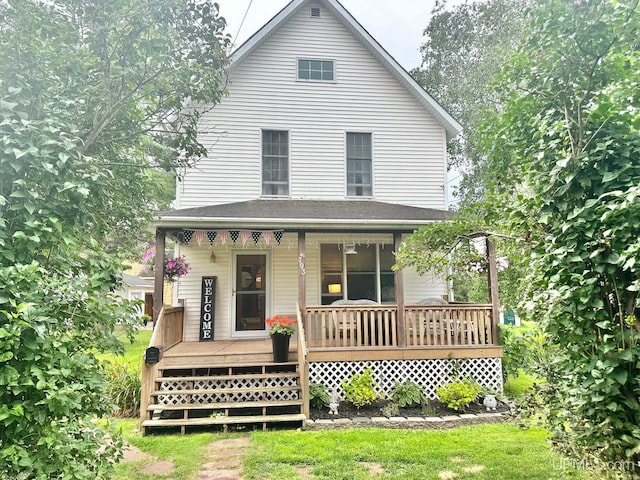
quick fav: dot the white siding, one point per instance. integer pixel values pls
(408, 144)
(284, 278)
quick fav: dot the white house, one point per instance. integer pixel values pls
(324, 155)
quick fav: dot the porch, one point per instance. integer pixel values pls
(226, 382)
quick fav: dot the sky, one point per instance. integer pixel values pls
(397, 25)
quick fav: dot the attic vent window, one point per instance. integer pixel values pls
(315, 12)
(319, 70)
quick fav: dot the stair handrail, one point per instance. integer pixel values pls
(150, 370)
(303, 364)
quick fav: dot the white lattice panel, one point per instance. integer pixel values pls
(208, 397)
(174, 386)
(429, 373)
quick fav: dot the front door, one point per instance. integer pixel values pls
(250, 294)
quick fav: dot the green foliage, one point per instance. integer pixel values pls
(459, 395)
(524, 348)
(318, 395)
(391, 410)
(465, 47)
(408, 394)
(565, 160)
(360, 389)
(123, 388)
(93, 95)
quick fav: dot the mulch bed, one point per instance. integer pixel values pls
(433, 409)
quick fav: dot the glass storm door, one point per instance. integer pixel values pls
(250, 292)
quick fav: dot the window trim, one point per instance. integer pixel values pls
(344, 270)
(316, 59)
(346, 166)
(288, 131)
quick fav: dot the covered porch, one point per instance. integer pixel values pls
(400, 340)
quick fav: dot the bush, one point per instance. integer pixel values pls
(123, 387)
(360, 389)
(318, 395)
(408, 394)
(459, 395)
(390, 410)
(524, 347)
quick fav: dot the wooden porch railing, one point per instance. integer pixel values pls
(449, 325)
(426, 326)
(166, 333)
(303, 364)
(348, 326)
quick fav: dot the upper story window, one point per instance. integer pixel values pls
(275, 162)
(321, 70)
(359, 183)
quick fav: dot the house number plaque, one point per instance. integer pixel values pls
(207, 308)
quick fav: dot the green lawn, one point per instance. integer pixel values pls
(133, 351)
(482, 452)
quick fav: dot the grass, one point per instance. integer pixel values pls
(481, 452)
(186, 452)
(516, 387)
(132, 351)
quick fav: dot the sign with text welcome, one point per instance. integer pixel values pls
(207, 308)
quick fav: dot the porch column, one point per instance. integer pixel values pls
(399, 282)
(493, 289)
(158, 285)
(302, 275)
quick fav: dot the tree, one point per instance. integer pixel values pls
(94, 97)
(465, 48)
(565, 155)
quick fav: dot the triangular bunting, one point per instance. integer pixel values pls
(199, 236)
(267, 236)
(244, 235)
(188, 235)
(223, 237)
(234, 234)
(278, 236)
(212, 237)
(256, 237)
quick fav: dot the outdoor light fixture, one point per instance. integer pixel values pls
(335, 288)
(350, 248)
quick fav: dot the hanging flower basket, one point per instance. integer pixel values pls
(174, 268)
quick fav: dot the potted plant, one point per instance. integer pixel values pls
(281, 329)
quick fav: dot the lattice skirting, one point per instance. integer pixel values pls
(429, 374)
(253, 390)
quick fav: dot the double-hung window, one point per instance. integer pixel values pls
(359, 175)
(275, 162)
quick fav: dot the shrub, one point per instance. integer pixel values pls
(318, 395)
(123, 387)
(390, 410)
(458, 395)
(360, 389)
(408, 394)
(524, 347)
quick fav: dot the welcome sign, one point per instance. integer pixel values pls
(207, 308)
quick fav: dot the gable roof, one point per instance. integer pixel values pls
(449, 123)
(352, 215)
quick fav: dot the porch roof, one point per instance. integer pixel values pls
(291, 214)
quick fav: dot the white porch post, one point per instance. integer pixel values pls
(302, 275)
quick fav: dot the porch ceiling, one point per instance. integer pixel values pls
(319, 215)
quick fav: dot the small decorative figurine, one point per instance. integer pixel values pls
(334, 402)
(490, 402)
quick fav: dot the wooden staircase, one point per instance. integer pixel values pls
(253, 394)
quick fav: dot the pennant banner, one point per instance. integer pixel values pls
(278, 236)
(188, 235)
(234, 234)
(199, 236)
(212, 237)
(256, 237)
(267, 236)
(244, 235)
(223, 237)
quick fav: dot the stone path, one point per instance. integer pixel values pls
(224, 460)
